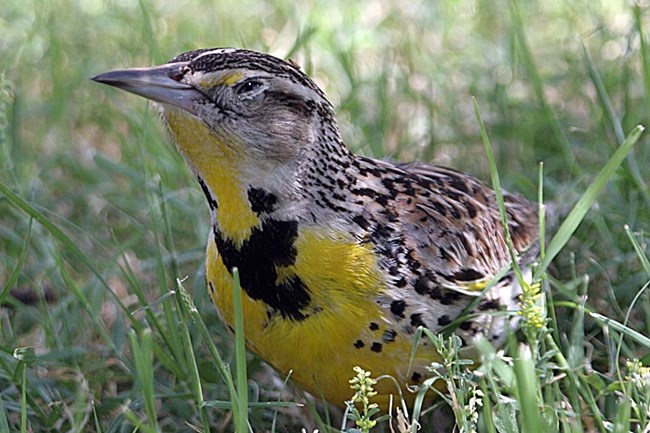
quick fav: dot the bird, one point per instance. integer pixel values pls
(342, 258)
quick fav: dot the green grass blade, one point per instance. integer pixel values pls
(97, 424)
(488, 408)
(143, 358)
(643, 259)
(138, 425)
(162, 233)
(148, 33)
(254, 404)
(618, 326)
(184, 306)
(528, 392)
(585, 202)
(4, 423)
(241, 423)
(537, 83)
(494, 364)
(630, 310)
(541, 210)
(622, 421)
(645, 262)
(74, 288)
(506, 417)
(222, 367)
(16, 377)
(68, 242)
(496, 185)
(645, 53)
(165, 353)
(606, 103)
(23, 399)
(13, 277)
(30, 210)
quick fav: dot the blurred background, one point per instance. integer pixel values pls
(111, 216)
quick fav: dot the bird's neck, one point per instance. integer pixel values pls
(240, 194)
(218, 169)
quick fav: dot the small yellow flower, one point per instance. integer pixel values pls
(530, 308)
(638, 374)
(363, 385)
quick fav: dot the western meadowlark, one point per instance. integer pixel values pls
(341, 257)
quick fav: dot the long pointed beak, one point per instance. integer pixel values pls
(158, 83)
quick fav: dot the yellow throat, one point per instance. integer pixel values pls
(217, 167)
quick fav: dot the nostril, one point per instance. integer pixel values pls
(178, 73)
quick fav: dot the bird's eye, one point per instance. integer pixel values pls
(249, 88)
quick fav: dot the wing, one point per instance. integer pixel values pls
(476, 204)
(442, 227)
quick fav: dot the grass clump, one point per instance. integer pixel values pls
(97, 335)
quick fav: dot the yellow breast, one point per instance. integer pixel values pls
(344, 283)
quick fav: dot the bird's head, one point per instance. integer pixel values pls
(253, 104)
(250, 125)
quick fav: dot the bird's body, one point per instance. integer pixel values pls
(341, 257)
